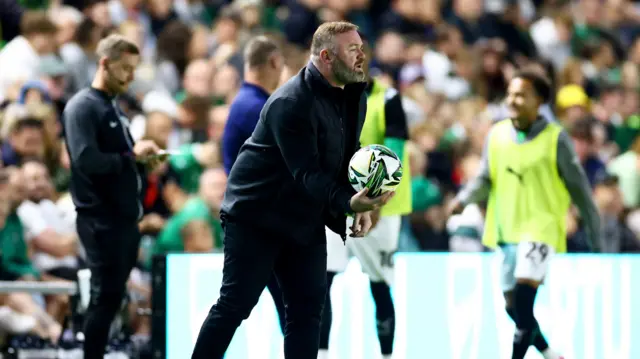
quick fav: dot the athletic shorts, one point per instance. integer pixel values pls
(526, 260)
(375, 251)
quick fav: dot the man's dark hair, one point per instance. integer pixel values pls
(582, 129)
(84, 32)
(607, 180)
(37, 22)
(259, 50)
(541, 85)
(443, 33)
(173, 44)
(27, 122)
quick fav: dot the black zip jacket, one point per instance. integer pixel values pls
(106, 182)
(291, 174)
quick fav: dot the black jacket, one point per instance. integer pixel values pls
(291, 174)
(106, 182)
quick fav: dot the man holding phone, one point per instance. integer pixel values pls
(107, 172)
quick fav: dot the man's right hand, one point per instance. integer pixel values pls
(145, 148)
(361, 203)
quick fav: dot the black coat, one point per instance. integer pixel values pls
(291, 174)
(106, 182)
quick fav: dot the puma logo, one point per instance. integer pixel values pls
(513, 172)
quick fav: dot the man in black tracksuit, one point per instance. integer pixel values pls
(288, 182)
(106, 180)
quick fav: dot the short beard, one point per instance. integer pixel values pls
(344, 75)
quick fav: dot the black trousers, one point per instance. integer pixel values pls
(251, 255)
(112, 251)
(276, 294)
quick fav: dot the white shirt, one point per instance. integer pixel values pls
(471, 217)
(38, 217)
(437, 69)
(18, 62)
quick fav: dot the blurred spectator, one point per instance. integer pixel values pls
(179, 234)
(78, 55)
(177, 45)
(67, 19)
(582, 133)
(26, 139)
(54, 244)
(197, 80)
(263, 66)
(616, 236)
(626, 168)
(22, 54)
(16, 264)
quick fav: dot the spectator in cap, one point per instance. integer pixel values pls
(572, 104)
(26, 140)
(54, 73)
(34, 91)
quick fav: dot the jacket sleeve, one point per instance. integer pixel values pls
(479, 187)
(295, 137)
(578, 187)
(80, 123)
(396, 130)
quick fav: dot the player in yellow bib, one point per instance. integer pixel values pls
(385, 124)
(530, 175)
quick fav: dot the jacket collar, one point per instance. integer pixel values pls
(319, 83)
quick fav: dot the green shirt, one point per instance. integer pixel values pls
(186, 165)
(425, 194)
(624, 166)
(170, 239)
(15, 257)
(626, 133)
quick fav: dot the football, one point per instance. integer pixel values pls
(377, 168)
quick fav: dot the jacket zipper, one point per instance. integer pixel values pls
(124, 126)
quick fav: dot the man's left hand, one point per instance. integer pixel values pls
(361, 224)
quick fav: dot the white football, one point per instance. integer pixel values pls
(375, 167)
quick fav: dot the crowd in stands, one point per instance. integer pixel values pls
(450, 59)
